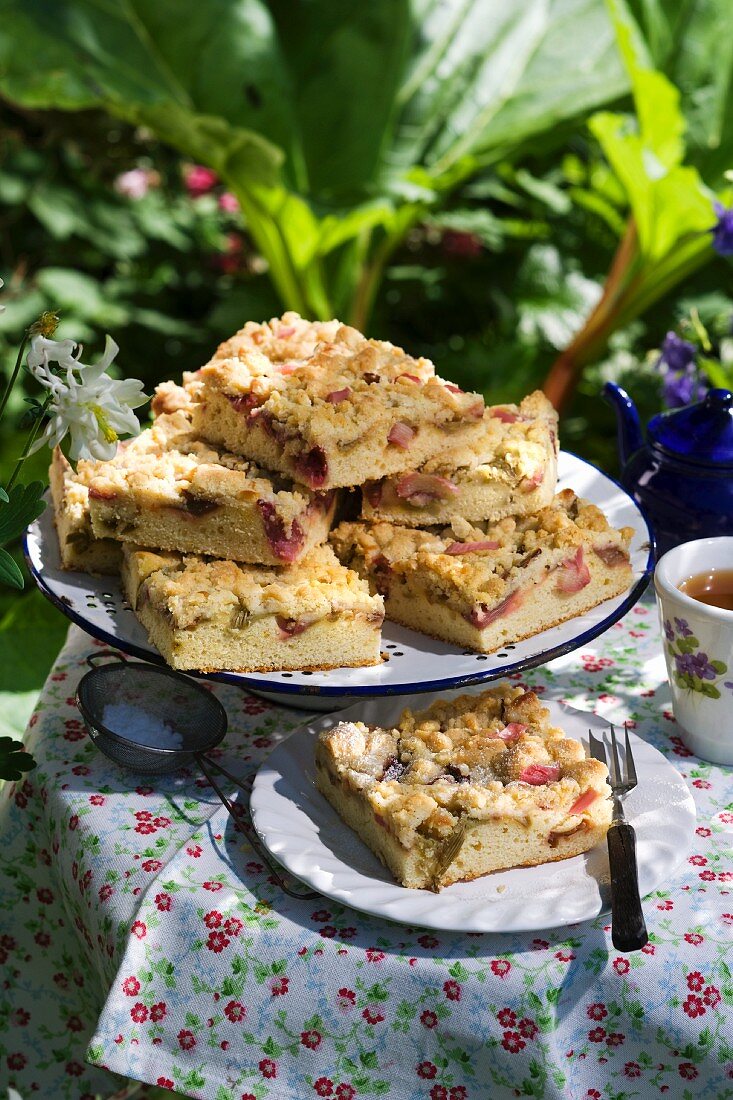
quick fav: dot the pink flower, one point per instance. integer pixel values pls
(139, 1012)
(131, 986)
(346, 998)
(694, 938)
(186, 1040)
(213, 886)
(213, 919)
(698, 861)
(279, 986)
(235, 1011)
(621, 966)
(513, 1042)
(135, 183)
(229, 203)
(139, 929)
(499, 967)
(163, 902)
(158, 1011)
(199, 180)
(233, 926)
(194, 850)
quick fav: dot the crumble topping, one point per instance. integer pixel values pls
(346, 388)
(476, 565)
(485, 757)
(190, 590)
(169, 466)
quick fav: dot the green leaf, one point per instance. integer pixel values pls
(719, 666)
(4, 498)
(10, 573)
(336, 125)
(14, 760)
(24, 505)
(710, 690)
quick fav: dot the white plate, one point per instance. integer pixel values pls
(303, 831)
(416, 662)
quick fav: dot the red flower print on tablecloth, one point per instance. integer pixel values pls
(323, 1086)
(165, 1083)
(500, 967)
(279, 986)
(235, 1011)
(158, 1012)
(632, 1070)
(131, 986)
(452, 990)
(429, 1019)
(139, 1013)
(427, 1070)
(506, 1017)
(311, 1039)
(693, 1006)
(513, 1042)
(267, 1068)
(372, 1015)
(139, 929)
(186, 1039)
(687, 1071)
(596, 1012)
(217, 941)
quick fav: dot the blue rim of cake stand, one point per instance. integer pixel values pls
(255, 683)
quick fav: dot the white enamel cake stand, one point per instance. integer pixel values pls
(415, 662)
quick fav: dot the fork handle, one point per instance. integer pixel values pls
(628, 930)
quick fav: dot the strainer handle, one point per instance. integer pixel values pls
(94, 657)
(306, 895)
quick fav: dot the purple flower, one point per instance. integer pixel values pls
(676, 353)
(682, 389)
(668, 631)
(723, 231)
(683, 627)
(728, 684)
(694, 664)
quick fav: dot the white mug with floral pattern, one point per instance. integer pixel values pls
(698, 648)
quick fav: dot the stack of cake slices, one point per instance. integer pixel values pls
(218, 517)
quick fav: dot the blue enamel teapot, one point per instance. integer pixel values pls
(683, 475)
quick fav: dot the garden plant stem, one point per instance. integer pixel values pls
(14, 375)
(28, 444)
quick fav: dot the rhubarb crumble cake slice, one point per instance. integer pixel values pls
(207, 615)
(356, 409)
(490, 585)
(172, 491)
(79, 548)
(509, 469)
(286, 341)
(480, 784)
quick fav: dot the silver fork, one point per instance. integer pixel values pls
(628, 930)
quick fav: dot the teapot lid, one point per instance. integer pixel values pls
(701, 433)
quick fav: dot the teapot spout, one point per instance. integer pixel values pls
(630, 438)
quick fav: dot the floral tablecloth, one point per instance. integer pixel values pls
(141, 937)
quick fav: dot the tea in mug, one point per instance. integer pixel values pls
(714, 587)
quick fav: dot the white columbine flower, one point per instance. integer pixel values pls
(2, 308)
(88, 405)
